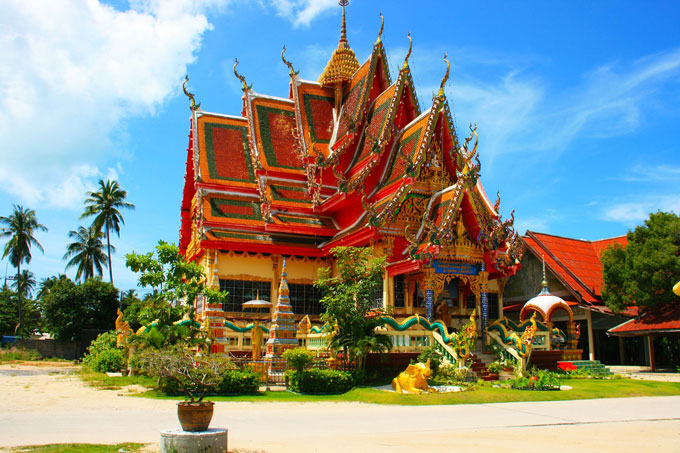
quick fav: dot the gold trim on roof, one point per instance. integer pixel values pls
(343, 63)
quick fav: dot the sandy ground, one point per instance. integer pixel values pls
(45, 405)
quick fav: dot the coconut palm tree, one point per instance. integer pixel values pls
(26, 283)
(86, 253)
(20, 228)
(104, 205)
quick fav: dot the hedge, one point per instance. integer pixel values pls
(319, 381)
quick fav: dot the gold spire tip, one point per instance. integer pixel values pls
(410, 47)
(288, 63)
(382, 25)
(445, 78)
(245, 86)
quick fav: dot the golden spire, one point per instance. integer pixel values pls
(343, 63)
(194, 105)
(410, 47)
(245, 87)
(445, 78)
(382, 25)
(288, 63)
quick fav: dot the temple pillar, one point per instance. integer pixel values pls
(484, 302)
(428, 286)
(572, 342)
(650, 348)
(622, 353)
(591, 339)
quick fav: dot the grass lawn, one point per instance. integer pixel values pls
(77, 448)
(581, 389)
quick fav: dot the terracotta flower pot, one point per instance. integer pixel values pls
(195, 416)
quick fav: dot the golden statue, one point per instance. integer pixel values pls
(123, 330)
(256, 335)
(413, 379)
(305, 325)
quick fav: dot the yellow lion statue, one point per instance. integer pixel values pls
(414, 379)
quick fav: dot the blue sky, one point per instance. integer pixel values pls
(577, 103)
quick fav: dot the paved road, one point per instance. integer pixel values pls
(58, 409)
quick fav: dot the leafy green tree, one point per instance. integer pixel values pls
(105, 205)
(644, 271)
(86, 252)
(8, 314)
(349, 294)
(20, 228)
(176, 284)
(142, 312)
(25, 284)
(69, 308)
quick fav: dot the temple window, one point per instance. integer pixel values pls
(378, 297)
(492, 303)
(471, 301)
(399, 291)
(305, 299)
(241, 291)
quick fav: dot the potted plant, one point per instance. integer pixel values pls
(179, 370)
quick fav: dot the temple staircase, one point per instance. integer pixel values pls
(594, 367)
(480, 361)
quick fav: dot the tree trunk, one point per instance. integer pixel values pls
(18, 326)
(108, 246)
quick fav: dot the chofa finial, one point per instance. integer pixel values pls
(194, 106)
(245, 87)
(382, 25)
(288, 63)
(445, 78)
(410, 47)
(343, 29)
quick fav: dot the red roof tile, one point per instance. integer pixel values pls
(574, 261)
(665, 320)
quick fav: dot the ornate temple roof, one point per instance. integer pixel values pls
(344, 164)
(343, 63)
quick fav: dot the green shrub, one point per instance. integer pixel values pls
(239, 381)
(103, 355)
(539, 380)
(434, 356)
(319, 381)
(360, 377)
(452, 375)
(14, 353)
(298, 359)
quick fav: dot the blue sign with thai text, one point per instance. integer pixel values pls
(454, 267)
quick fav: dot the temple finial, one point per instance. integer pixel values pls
(410, 47)
(194, 106)
(445, 78)
(544, 283)
(288, 63)
(382, 25)
(245, 87)
(343, 29)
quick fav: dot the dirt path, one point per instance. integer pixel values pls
(44, 405)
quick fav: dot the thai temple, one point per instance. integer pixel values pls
(349, 159)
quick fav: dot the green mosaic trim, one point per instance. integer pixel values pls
(266, 135)
(310, 118)
(279, 197)
(216, 211)
(210, 151)
(254, 237)
(402, 143)
(302, 220)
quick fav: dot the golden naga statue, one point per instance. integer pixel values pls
(676, 289)
(413, 379)
(305, 325)
(123, 329)
(523, 343)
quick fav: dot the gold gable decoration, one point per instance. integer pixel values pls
(343, 63)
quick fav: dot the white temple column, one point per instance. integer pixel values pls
(591, 340)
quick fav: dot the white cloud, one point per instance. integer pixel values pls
(635, 212)
(70, 71)
(517, 112)
(302, 12)
(657, 173)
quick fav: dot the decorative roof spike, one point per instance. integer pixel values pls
(193, 105)
(445, 78)
(293, 72)
(343, 63)
(382, 25)
(343, 28)
(410, 47)
(544, 283)
(245, 87)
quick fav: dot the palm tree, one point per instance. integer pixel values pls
(26, 283)
(104, 205)
(20, 227)
(86, 252)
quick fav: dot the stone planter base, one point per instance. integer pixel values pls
(214, 440)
